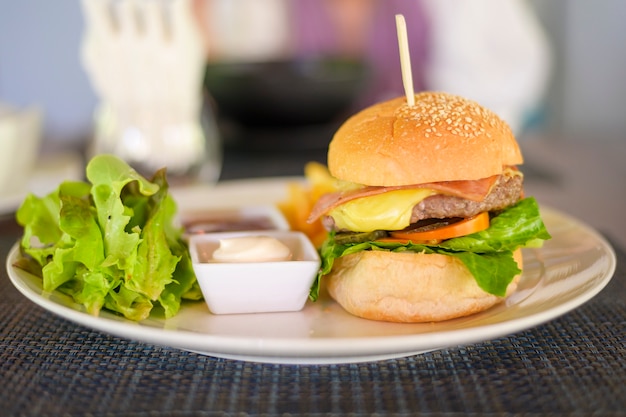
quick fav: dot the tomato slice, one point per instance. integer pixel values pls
(461, 228)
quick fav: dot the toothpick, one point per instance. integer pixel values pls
(405, 60)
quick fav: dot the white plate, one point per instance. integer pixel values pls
(568, 271)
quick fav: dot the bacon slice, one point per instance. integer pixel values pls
(475, 190)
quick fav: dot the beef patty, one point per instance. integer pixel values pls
(506, 192)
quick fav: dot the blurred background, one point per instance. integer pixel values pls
(576, 89)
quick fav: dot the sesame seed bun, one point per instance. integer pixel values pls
(442, 137)
(408, 287)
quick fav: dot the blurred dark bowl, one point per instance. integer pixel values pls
(285, 93)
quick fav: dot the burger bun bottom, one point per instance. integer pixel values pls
(408, 287)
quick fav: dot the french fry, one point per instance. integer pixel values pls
(301, 197)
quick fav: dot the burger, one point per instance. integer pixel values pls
(428, 215)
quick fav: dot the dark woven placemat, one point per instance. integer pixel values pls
(574, 365)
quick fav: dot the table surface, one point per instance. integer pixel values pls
(572, 365)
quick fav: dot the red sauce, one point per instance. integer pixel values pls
(212, 223)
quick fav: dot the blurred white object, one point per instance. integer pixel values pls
(20, 137)
(50, 170)
(247, 30)
(494, 52)
(146, 61)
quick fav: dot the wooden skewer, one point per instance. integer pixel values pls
(405, 60)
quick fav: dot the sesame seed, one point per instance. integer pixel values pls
(460, 116)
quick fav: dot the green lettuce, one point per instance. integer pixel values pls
(109, 242)
(487, 254)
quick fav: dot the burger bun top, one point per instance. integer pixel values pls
(443, 137)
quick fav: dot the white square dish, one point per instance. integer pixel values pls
(255, 287)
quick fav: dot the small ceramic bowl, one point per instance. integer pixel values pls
(261, 217)
(254, 287)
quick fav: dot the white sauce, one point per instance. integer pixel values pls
(251, 249)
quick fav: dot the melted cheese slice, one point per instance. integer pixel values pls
(388, 211)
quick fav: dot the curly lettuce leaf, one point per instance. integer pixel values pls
(487, 254)
(511, 229)
(110, 242)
